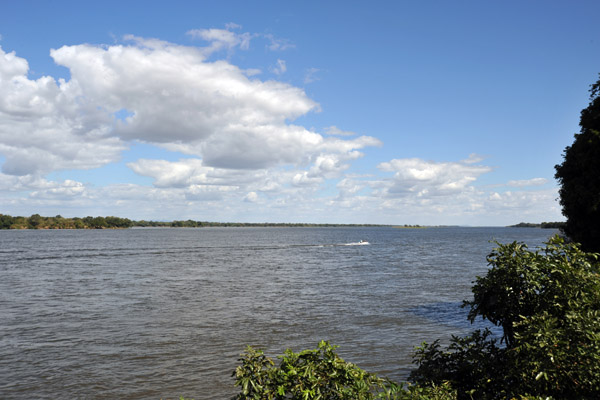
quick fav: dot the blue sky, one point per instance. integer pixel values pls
(391, 112)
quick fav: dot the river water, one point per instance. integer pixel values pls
(163, 313)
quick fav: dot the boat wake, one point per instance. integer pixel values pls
(361, 243)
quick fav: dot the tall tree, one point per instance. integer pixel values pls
(579, 177)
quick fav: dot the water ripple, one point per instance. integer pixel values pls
(163, 313)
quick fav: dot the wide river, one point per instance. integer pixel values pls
(163, 313)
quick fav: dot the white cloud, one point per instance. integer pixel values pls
(525, 206)
(186, 173)
(277, 44)
(14, 183)
(172, 174)
(251, 197)
(190, 172)
(414, 176)
(212, 110)
(63, 190)
(232, 25)
(280, 68)
(239, 132)
(222, 38)
(446, 192)
(348, 188)
(306, 179)
(528, 182)
(206, 193)
(45, 126)
(174, 94)
(473, 159)
(227, 39)
(165, 94)
(173, 97)
(335, 131)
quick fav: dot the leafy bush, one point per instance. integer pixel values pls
(320, 374)
(548, 304)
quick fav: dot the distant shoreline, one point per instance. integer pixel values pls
(39, 222)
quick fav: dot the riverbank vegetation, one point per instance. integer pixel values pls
(321, 374)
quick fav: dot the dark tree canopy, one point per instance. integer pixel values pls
(579, 177)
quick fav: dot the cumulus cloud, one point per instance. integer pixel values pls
(45, 125)
(238, 133)
(446, 192)
(189, 172)
(414, 176)
(172, 174)
(62, 190)
(174, 95)
(251, 197)
(159, 93)
(306, 179)
(348, 188)
(517, 205)
(36, 184)
(205, 193)
(192, 172)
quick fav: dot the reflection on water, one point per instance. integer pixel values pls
(162, 313)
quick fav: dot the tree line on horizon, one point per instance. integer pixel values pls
(37, 221)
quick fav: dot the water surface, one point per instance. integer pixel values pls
(163, 313)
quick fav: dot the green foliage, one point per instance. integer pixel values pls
(474, 364)
(320, 374)
(6, 221)
(579, 177)
(58, 222)
(35, 220)
(510, 289)
(548, 304)
(116, 222)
